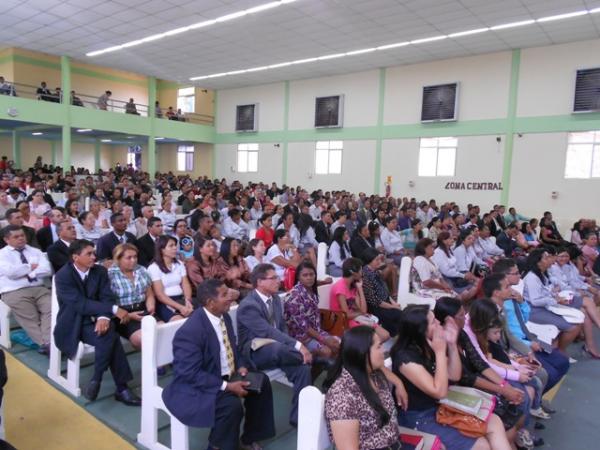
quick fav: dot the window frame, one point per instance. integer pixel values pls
(441, 143)
(189, 157)
(187, 97)
(330, 147)
(594, 143)
(247, 148)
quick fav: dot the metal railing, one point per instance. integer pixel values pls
(92, 101)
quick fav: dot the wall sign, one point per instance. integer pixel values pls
(473, 186)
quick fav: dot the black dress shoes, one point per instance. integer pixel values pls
(128, 397)
(90, 391)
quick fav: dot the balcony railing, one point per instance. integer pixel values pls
(93, 101)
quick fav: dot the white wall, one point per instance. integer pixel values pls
(358, 157)
(547, 77)
(360, 99)
(478, 159)
(270, 106)
(270, 160)
(477, 99)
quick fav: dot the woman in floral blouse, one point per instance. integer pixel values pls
(301, 311)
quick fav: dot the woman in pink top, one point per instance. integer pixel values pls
(347, 295)
(590, 250)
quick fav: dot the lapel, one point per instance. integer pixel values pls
(77, 279)
(262, 305)
(214, 347)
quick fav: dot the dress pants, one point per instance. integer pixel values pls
(32, 307)
(280, 356)
(556, 365)
(108, 353)
(259, 423)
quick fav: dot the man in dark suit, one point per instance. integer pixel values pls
(506, 240)
(86, 306)
(204, 358)
(119, 235)
(14, 217)
(147, 243)
(260, 315)
(58, 253)
(323, 228)
(48, 235)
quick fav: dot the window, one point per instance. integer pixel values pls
(437, 157)
(328, 157)
(247, 158)
(583, 155)
(134, 156)
(186, 100)
(185, 158)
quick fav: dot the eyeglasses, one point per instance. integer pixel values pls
(274, 277)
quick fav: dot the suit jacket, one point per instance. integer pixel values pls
(44, 237)
(322, 232)
(191, 395)
(78, 303)
(58, 254)
(146, 246)
(108, 242)
(253, 322)
(506, 243)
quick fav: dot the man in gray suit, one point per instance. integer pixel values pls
(263, 338)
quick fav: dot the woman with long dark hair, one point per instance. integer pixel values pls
(444, 259)
(339, 250)
(236, 270)
(359, 407)
(426, 358)
(170, 283)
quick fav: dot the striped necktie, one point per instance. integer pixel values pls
(228, 348)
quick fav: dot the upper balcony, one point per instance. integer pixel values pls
(28, 103)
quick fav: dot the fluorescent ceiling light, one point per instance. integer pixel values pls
(390, 46)
(195, 26)
(84, 130)
(468, 33)
(37, 133)
(563, 16)
(105, 140)
(429, 39)
(158, 138)
(503, 26)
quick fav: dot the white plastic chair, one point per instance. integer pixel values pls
(5, 325)
(405, 297)
(322, 250)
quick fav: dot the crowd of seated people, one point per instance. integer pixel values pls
(133, 255)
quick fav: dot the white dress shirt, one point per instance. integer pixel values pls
(14, 273)
(391, 240)
(216, 324)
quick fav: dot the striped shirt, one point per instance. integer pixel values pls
(126, 291)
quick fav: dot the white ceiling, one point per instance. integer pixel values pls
(303, 29)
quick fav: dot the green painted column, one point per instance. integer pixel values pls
(379, 140)
(152, 134)
(65, 77)
(213, 159)
(284, 144)
(16, 149)
(96, 156)
(53, 152)
(510, 126)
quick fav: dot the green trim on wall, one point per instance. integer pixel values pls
(152, 133)
(284, 143)
(510, 125)
(557, 124)
(378, 142)
(213, 158)
(65, 76)
(164, 85)
(16, 149)
(6, 58)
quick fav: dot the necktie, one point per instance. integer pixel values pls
(122, 239)
(228, 348)
(24, 261)
(270, 310)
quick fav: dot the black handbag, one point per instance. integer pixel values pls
(256, 380)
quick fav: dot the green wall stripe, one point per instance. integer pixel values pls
(213, 159)
(378, 143)
(510, 125)
(284, 143)
(6, 59)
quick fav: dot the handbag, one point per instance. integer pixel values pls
(466, 424)
(256, 380)
(289, 276)
(334, 322)
(479, 404)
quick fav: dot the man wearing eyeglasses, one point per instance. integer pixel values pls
(262, 334)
